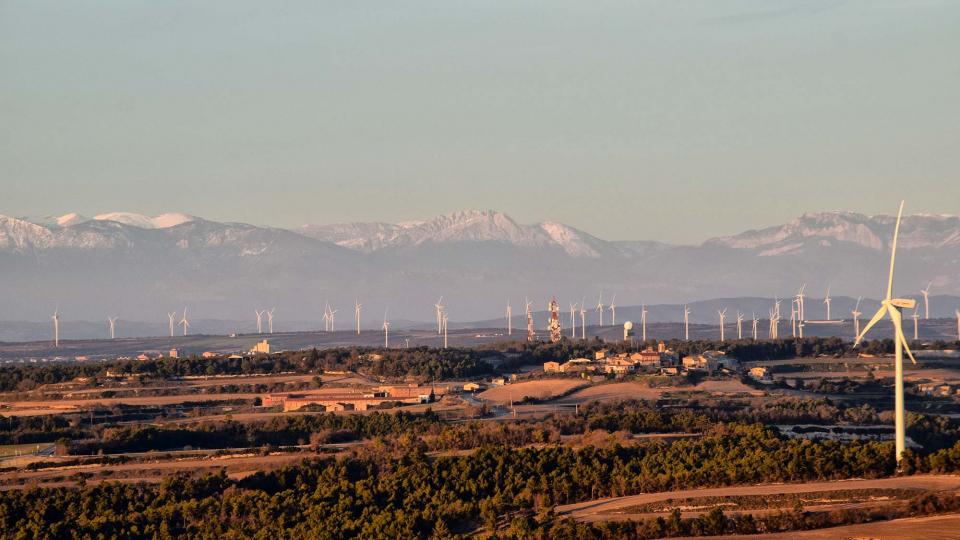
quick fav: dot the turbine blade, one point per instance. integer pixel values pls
(876, 318)
(897, 319)
(893, 251)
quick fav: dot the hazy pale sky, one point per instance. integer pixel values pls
(667, 120)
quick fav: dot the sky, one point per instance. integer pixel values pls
(642, 120)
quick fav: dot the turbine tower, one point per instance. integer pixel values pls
(326, 317)
(686, 323)
(739, 325)
(259, 320)
(926, 301)
(270, 320)
(386, 331)
(600, 308)
(172, 316)
(916, 324)
(613, 311)
(893, 308)
(112, 321)
(856, 317)
(509, 319)
(583, 318)
(56, 327)
(445, 330)
(643, 321)
(356, 311)
(439, 307)
(756, 321)
(723, 319)
(573, 320)
(184, 321)
(801, 313)
(530, 333)
(827, 301)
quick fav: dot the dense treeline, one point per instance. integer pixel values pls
(427, 363)
(400, 492)
(630, 416)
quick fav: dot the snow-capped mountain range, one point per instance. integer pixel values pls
(142, 267)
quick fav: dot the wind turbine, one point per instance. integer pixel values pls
(739, 325)
(184, 321)
(583, 318)
(686, 323)
(793, 316)
(439, 307)
(600, 308)
(332, 313)
(356, 311)
(827, 301)
(856, 317)
(171, 316)
(893, 308)
(613, 311)
(643, 321)
(259, 320)
(756, 321)
(326, 317)
(56, 327)
(270, 320)
(916, 324)
(386, 331)
(926, 301)
(113, 326)
(723, 319)
(573, 320)
(509, 319)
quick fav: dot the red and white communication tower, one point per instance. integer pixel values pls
(554, 327)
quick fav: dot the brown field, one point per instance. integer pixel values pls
(608, 509)
(60, 406)
(945, 527)
(150, 471)
(540, 389)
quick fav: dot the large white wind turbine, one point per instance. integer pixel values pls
(686, 323)
(756, 321)
(801, 312)
(739, 325)
(56, 327)
(916, 324)
(893, 308)
(270, 319)
(326, 317)
(613, 311)
(856, 317)
(723, 320)
(112, 321)
(926, 301)
(184, 321)
(171, 317)
(259, 314)
(356, 312)
(600, 308)
(573, 320)
(509, 319)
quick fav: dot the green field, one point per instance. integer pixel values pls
(12, 450)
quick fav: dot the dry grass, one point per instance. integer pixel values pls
(540, 389)
(946, 527)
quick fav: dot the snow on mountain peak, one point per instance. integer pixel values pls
(70, 219)
(163, 221)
